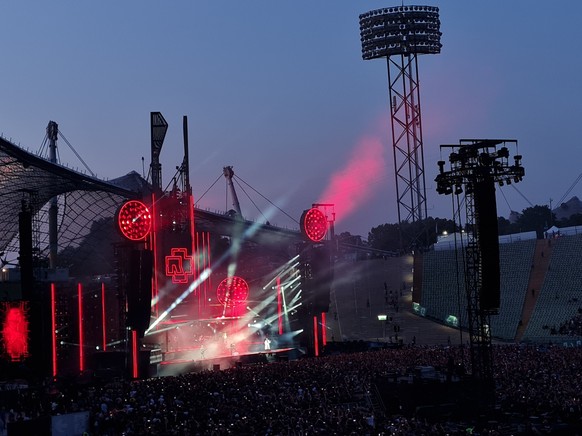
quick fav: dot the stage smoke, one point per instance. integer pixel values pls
(354, 185)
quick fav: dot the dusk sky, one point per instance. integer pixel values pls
(279, 91)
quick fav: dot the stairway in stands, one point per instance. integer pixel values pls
(539, 268)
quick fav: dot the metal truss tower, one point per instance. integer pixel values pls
(476, 165)
(399, 34)
(158, 127)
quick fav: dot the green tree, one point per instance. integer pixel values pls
(421, 234)
(385, 237)
(436, 227)
(348, 238)
(506, 227)
(536, 218)
(573, 220)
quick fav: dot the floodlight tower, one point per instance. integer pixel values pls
(476, 165)
(399, 34)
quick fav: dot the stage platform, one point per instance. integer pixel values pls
(193, 360)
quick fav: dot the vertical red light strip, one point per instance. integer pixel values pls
(323, 330)
(103, 317)
(203, 258)
(192, 229)
(196, 261)
(209, 286)
(54, 328)
(155, 253)
(315, 336)
(195, 252)
(81, 338)
(279, 308)
(197, 258)
(134, 354)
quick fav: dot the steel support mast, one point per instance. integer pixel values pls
(52, 131)
(228, 175)
(399, 34)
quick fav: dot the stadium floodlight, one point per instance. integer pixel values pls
(399, 35)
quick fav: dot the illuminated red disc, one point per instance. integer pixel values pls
(15, 333)
(232, 291)
(314, 224)
(134, 220)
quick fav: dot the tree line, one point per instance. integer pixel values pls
(424, 233)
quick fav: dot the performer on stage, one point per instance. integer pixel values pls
(267, 344)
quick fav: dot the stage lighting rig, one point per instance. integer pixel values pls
(134, 220)
(475, 166)
(232, 291)
(315, 222)
(478, 160)
(400, 30)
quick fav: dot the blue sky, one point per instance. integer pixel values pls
(279, 91)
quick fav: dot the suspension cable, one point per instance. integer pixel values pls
(251, 200)
(505, 198)
(270, 202)
(206, 192)
(43, 144)
(522, 196)
(572, 186)
(76, 154)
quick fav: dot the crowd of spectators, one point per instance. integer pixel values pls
(571, 327)
(536, 388)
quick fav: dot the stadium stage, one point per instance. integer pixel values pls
(195, 360)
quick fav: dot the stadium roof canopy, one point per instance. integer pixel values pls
(84, 202)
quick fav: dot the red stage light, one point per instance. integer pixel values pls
(15, 330)
(54, 328)
(134, 220)
(134, 355)
(315, 337)
(81, 331)
(314, 224)
(232, 291)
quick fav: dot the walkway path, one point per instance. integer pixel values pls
(539, 268)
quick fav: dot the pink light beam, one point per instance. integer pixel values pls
(356, 183)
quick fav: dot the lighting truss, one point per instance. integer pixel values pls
(478, 163)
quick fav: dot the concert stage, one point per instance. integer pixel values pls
(196, 360)
(216, 343)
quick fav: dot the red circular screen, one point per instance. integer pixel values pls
(314, 224)
(232, 291)
(134, 220)
(15, 331)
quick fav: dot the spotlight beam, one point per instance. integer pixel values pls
(280, 272)
(232, 251)
(288, 284)
(205, 274)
